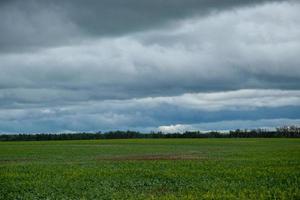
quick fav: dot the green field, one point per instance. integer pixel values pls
(151, 169)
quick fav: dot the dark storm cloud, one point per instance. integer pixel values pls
(117, 16)
(28, 25)
(35, 24)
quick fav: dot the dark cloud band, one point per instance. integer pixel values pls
(37, 24)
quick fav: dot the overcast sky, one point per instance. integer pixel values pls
(159, 65)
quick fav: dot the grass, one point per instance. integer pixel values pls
(151, 169)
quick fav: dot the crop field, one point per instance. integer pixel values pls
(151, 169)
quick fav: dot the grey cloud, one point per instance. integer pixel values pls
(180, 69)
(138, 114)
(139, 15)
(232, 100)
(29, 25)
(140, 65)
(242, 100)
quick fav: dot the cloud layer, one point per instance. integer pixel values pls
(152, 112)
(141, 65)
(38, 23)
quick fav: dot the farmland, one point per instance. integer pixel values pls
(151, 169)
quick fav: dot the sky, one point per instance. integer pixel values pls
(159, 65)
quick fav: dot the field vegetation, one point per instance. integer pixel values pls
(151, 169)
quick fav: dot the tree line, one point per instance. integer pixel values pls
(282, 132)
